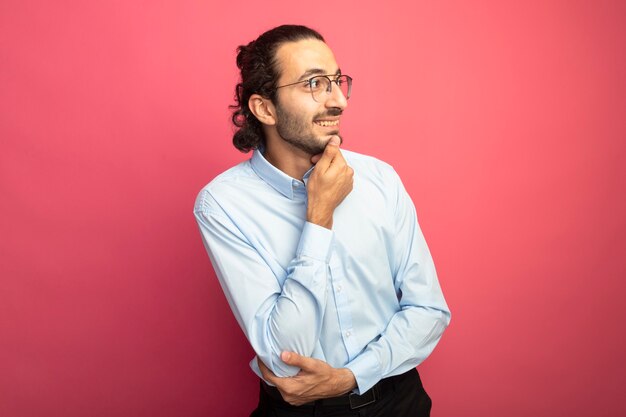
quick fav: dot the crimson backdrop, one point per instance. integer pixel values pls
(506, 120)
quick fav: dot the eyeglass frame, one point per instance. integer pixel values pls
(330, 83)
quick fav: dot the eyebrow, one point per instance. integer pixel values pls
(315, 71)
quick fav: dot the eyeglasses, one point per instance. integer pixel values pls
(321, 85)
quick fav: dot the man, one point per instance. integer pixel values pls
(318, 249)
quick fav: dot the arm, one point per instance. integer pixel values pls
(315, 380)
(276, 312)
(411, 334)
(269, 308)
(414, 331)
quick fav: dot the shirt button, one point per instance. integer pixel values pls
(338, 288)
(348, 334)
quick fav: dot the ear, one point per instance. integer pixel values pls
(263, 109)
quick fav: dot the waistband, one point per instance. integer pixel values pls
(383, 388)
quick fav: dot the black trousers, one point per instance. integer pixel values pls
(403, 396)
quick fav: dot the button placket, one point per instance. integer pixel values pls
(343, 310)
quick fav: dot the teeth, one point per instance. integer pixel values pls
(328, 123)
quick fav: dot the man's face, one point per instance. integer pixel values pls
(301, 121)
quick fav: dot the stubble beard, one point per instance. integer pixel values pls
(298, 132)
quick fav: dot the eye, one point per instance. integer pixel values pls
(314, 83)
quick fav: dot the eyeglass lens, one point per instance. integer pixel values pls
(320, 86)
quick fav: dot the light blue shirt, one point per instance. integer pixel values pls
(362, 296)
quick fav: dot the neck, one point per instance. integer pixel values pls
(289, 159)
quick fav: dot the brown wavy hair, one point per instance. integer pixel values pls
(259, 73)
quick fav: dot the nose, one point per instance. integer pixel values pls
(336, 98)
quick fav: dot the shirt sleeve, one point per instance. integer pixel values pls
(414, 331)
(269, 310)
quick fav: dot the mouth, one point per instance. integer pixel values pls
(327, 123)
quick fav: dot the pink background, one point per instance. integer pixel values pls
(506, 120)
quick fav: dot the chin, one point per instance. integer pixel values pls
(335, 133)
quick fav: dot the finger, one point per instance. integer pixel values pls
(337, 164)
(331, 149)
(294, 359)
(316, 158)
(265, 371)
(334, 140)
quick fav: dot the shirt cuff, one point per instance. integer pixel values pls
(366, 370)
(315, 242)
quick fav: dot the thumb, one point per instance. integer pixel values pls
(303, 362)
(292, 358)
(335, 140)
(324, 159)
(287, 357)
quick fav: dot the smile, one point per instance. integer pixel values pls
(327, 123)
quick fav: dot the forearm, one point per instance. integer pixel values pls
(413, 331)
(408, 340)
(293, 321)
(316, 380)
(278, 309)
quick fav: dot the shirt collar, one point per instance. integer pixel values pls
(289, 187)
